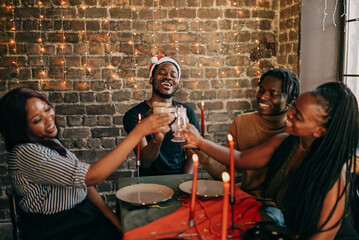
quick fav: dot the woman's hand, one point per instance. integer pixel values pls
(192, 136)
(156, 123)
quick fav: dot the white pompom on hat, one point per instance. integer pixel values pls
(159, 59)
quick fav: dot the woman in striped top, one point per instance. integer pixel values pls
(55, 188)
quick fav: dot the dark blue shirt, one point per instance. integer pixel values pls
(172, 157)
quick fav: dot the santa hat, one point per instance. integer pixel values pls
(159, 59)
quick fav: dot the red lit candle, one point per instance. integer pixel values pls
(139, 143)
(225, 178)
(202, 119)
(194, 188)
(231, 163)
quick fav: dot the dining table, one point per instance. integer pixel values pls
(168, 219)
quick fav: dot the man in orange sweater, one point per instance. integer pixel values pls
(278, 88)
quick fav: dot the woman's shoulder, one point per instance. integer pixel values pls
(30, 148)
(23, 146)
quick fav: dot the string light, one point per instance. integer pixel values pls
(86, 65)
(42, 48)
(238, 54)
(325, 13)
(132, 43)
(153, 27)
(109, 51)
(12, 42)
(62, 45)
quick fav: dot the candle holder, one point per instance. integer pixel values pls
(232, 201)
(189, 235)
(138, 164)
(138, 161)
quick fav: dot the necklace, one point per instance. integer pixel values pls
(301, 148)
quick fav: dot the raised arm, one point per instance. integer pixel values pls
(254, 158)
(105, 166)
(151, 149)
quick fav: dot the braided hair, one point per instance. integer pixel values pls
(322, 167)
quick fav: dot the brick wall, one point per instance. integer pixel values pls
(91, 59)
(289, 46)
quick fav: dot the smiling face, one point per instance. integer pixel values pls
(165, 82)
(41, 118)
(306, 117)
(270, 99)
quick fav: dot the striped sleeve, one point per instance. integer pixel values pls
(42, 165)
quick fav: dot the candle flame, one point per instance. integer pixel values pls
(139, 117)
(202, 104)
(225, 177)
(229, 137)
(195, 158)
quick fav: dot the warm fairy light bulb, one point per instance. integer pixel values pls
(42, 16)
(42, 49)
(12, 41)
(39, 39)
(130, 42)
(12, 29)
(83, 7)
(43, 73)
(40, 3)
(106, 20)
(134, 8)
(200, 64)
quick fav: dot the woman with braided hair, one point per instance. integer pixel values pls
(309, 165)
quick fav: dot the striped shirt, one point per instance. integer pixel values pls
(46, 182)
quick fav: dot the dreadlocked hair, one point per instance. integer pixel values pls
(323, 165)
(290, 82)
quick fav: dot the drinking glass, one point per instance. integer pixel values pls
(179, 124)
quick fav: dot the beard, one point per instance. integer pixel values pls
(163, 95)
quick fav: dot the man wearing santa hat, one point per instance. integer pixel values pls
(159, 155)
